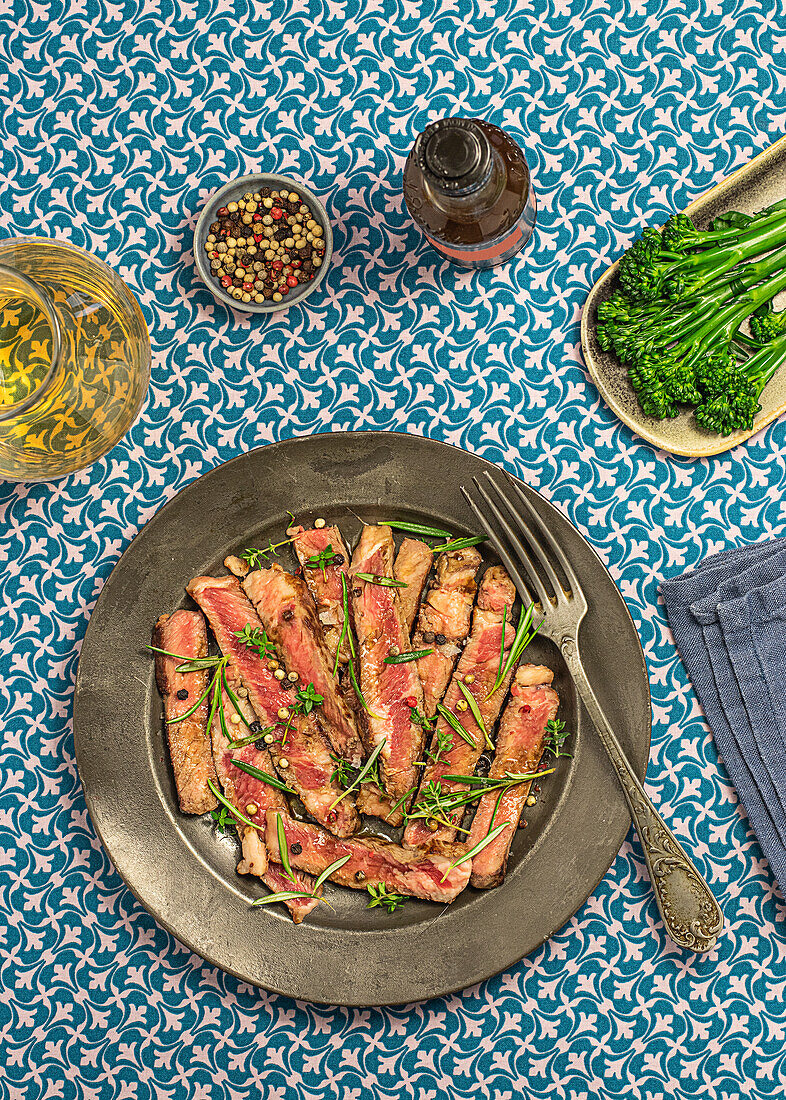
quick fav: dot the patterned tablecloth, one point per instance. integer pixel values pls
(118, 120)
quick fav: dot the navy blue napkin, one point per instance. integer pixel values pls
(728, 618)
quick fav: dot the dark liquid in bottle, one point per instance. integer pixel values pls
(467, 185)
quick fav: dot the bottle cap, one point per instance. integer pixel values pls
(454, 154)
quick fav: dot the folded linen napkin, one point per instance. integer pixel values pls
(728, 618)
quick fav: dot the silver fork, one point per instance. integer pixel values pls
(690, 912)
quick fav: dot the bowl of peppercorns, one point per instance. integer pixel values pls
(263, 243)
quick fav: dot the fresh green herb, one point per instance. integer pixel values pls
(555, 738)
(283, 848)
(459, 544)
(440, 746)
(342, 772)
(455, 724)
(254, 736)
(291, 517)
(383, 582)
(362, 774)
(321, 560)
(403, 658)
(487, 839)
(381, 896)
(307, 699)
(256, 638)
(437, 803)
(263, 777)
(416, 528)
(254, 557)
(233, 699)
(472, 703)
(190, 664)
(400, 802)
(525, 632)
(346, 631)
(224, 821)
(421, 720)
(287, 895)
(232, 809)
(500, 676)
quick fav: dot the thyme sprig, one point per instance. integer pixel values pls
(342, 772)
(388, 899)
(525, 632)
(321, 560)
(555, 737)
(256, 638)
(440, 746)
(224, 820)
(254, 557)
(368, 770)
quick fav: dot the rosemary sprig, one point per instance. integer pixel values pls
(415, 528)
(383, 582)
(232, 809)
(362, 774)
(555, 737)
(459, 544)
(475, 849)
(380, 895)
(321, 560)
(472, 703)
(286, 895)
(255, 735)
(233, 699)
(256, 638)
(403, 658)
(525, 632)
(283, 848)
(254, 557)
(400, 802)
(455, 724)
(346, 630)
(436, 803)
(263, 777)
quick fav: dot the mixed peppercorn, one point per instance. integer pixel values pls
(265, 244)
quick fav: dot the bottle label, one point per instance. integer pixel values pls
(491, 253)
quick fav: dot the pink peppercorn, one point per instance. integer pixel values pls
(291, 281)
(276, 213)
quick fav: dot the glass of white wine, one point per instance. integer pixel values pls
(74, 359)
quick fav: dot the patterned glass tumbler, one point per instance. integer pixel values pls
(74, 359)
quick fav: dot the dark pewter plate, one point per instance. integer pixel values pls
(184, 874)
(758, 184)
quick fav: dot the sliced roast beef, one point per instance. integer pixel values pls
(477, 668)
(287, 612)
(324, 581)
(391, 691)
(300, 750)
(420, 874)
(444, 621)
(520, 743)
(185, 633)
(412, 566)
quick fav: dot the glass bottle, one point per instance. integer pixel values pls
(467, 185)
(74, 359)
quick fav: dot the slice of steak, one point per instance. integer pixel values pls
(520, 745)
(325, 584)
(278, 882)
(253, 796)
(289, 616)
(444, 621)
(412, 566)
(390, 690)
(189, 747)
(419, 874)
(302, 755)
(479, 662)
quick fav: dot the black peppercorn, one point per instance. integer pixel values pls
(296, 849)
(360, 876)
(256, 727)
(182, 694)
(440, 639)
(287, 615)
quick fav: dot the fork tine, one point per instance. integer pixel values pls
(499, 546)
(556, 549)
(534, 577)
(535, 546)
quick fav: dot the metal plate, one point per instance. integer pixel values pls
(185, 875)
(758, 184)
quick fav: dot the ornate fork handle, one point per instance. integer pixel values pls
(690, 912)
